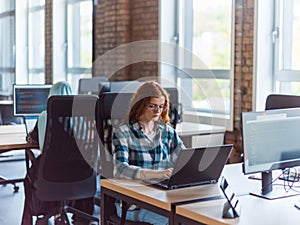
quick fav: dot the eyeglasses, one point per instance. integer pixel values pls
(155, 108)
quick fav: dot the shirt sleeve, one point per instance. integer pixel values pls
(176, 145)
(121, 155)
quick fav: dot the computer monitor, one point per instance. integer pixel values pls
(30, 100)
(271, 142)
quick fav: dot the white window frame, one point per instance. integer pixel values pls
(61, 69)
(35, 50)
(270, 74)
(167, 34)
(73, 73)
(8, 76)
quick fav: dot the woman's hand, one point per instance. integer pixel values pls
(155, 174)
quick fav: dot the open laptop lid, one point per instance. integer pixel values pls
(199, 165)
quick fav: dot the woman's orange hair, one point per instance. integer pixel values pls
(142, 98)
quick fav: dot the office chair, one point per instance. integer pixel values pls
(281, 101)
(93, 85)
(70, 155)
(113, 109)
(174, 108)
(124, 86)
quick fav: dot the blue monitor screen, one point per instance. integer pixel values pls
(30, 100)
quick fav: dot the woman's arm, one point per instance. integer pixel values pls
(33, 136)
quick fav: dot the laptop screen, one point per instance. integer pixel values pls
(200, 164)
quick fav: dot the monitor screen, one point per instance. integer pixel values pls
(30, 100)
(271, 141)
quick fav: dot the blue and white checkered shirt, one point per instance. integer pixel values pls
(133, 150)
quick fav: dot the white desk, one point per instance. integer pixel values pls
(254, 210)
(196, 134)
(13, 137)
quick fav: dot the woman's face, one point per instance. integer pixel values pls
(154, 109)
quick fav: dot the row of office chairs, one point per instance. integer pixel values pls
(98, 85)
(79, 130)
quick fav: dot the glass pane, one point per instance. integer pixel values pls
(6, 83)
(36, 78)
(290, 32)
(33, 3)
(36, 39)
(80, 34)
(296, 36)
(212, 33)
(7, 42)
(206, 98)
(7, 5)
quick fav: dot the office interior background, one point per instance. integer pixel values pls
(248, 48)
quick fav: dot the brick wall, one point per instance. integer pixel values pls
(118, 22)
(48, 42)
(243, 72)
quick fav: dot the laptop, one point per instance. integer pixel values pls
(196, 166)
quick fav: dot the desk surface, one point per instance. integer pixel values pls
(165, 198)
(254, 210)
(156, 196)
(188, 128)
(13, 137)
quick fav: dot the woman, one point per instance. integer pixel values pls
(32, 205)
(37, 135)
(146, 147)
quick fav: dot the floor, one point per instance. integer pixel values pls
(11, 204)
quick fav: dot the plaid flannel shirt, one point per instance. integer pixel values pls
(134, 150)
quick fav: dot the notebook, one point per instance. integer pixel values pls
(196, 166)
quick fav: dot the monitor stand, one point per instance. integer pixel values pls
(269, 191)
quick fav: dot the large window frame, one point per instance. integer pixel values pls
(36, 41)
(284, 74)
(214, 112)
(273, 51)
(7, 48)
(76, 32)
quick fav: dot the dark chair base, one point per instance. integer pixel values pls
(115, 220)
(4, 181)
(63, 217)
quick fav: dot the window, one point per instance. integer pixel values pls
(7, 47)
(205, 74)
(36, 41)
(79, 40)
(286, 35)
(277, 49)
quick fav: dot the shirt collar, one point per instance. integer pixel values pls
(136, 126)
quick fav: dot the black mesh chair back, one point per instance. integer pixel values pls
(281, 101)
(93, 85)
(175, 107)
(70, 153)
(113, 109)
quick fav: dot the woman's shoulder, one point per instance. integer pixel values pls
(166, 126)
(123, 127)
